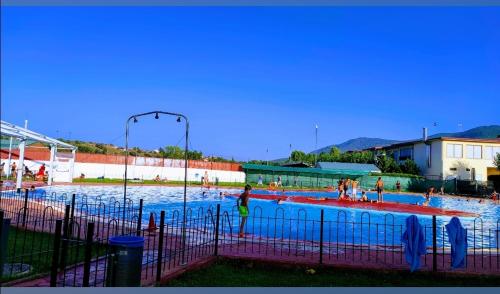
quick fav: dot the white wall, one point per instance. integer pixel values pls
(420, 158)
(480, 165)
(116, 171)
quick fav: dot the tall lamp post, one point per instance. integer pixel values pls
(157, 116)
(316, 146)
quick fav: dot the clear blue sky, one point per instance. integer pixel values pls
(250, 78)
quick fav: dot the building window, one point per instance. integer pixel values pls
(405, 153)
(474, 151)
(454, 150)
(491, 152)
(428, 150)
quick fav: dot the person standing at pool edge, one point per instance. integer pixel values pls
(242, 204)
(354, 184)
(380, 188)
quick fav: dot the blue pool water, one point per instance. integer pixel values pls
(296, 220)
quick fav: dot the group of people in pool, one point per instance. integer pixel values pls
(344, 186)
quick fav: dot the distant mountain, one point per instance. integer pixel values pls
(357, 144)
(483, 132)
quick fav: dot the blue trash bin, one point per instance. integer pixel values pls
(125, 261)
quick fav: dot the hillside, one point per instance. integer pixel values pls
(357, 144)
(482, 132)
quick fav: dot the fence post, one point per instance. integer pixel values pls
(216, 249)
(73, 198)
(1, 225)
(25, 210)
(434, 244)
(321, 237)
(139, 221)
(88, 254)
(64, 248)
(160, 246)
(55, 254)
(2, 254)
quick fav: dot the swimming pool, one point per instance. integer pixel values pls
(300, 220)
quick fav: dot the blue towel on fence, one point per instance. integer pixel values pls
(458, 240)
(414, 241)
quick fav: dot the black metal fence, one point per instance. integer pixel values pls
(362, 242)
(63, 241)
(34, 235)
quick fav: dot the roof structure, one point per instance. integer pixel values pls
(26, 137)
(11, 130)
(303, 170)
(457, 139)
(365, 167)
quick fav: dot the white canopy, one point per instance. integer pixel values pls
(24, 135)
(10, 130)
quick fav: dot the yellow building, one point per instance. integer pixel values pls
(447, 157)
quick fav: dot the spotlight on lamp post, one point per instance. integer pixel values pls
(157, 116)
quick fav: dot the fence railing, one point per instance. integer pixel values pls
(65, 238)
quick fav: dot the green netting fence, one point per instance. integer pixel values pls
(317, 178)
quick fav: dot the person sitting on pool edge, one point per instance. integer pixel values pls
(345, 197)
(364, 198)
(242, 204)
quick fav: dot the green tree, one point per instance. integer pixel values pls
(387, 164)
(298, 156)
(335, 154)
(409, 167)
(496, 161)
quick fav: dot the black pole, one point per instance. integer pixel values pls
(55, 254)
(25, 209)
(216, 249)
(125, 175)
(65, 241)
(1, 242)
(88, 254)
(135, 116)
(434, 244)
(321, 237)
(185, 192)
(160, 246)
(139, 221)
(72, 217)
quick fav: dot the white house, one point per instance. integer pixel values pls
(448, 157)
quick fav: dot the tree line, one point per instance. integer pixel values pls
(172, 152)
(385, 162)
